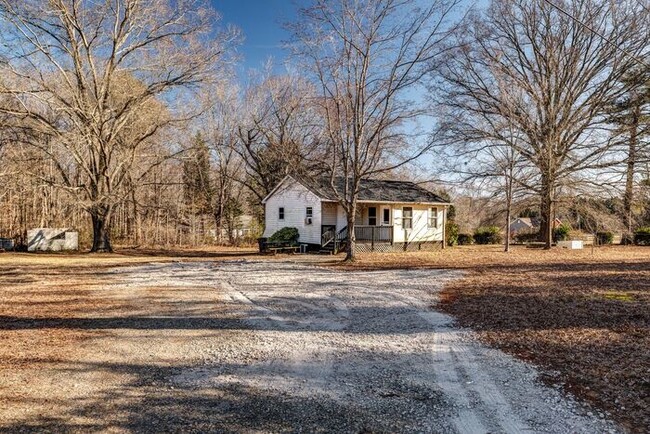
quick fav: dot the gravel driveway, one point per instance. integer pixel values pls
(283, 347)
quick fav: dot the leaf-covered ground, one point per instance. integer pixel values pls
(582, 315)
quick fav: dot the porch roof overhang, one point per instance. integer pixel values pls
(389, 202)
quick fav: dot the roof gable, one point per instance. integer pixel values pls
(277, 187)
(288, 181)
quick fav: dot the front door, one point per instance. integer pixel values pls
(385, 216)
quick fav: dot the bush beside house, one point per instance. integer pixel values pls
(451, 233)
(642, 236)
(287, 236)
(465, 239)
(603, 238)
(488, 235)
(527, 237)
(561, 233)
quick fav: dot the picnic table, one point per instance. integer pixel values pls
(275, 247)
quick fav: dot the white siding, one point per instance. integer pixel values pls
(341, 218)
(420, 228)
(294, 198)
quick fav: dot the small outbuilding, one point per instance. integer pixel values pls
(524, 225)
(52, 240)
(6, 244)
(528, 225)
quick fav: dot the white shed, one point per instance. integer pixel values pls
(52, 240)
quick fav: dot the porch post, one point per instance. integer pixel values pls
(444, 228)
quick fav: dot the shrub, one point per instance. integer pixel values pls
(451, 232)
(561, 233)
(465, 239)
(604, 237)
(286, 236)
(488, 235)
(527, 237)
(642, 236)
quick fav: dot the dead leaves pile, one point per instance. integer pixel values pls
(585, 319)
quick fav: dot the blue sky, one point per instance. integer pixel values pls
(261, 23)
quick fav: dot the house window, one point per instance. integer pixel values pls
(386, 217)
(372, 216)
(309, 215)
(281, 213)
(433, 217)
(407, 217)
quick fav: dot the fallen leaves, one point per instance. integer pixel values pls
(587, 318)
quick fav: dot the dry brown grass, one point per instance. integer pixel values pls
(123, 256)
(71, 336)
(65, 285)
(582, 315)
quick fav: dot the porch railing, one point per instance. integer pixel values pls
(328, 235)
(333, 240)
(379, 234)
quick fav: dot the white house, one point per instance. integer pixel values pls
(391, 215)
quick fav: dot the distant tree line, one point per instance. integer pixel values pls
(123, 118)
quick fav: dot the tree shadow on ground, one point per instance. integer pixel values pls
(190, 253)
(154, 400)
(373, 320)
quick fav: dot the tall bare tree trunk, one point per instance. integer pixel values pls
(628, 198)
(101, 218)
(508, 215)
(350, 254)
(218, 216)
(546, 213)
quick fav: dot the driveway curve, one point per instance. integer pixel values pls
(273, 346)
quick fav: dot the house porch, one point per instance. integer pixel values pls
(380, 227)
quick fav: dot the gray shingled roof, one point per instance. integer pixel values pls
(377, 190)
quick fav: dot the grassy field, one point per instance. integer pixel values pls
(583, 315)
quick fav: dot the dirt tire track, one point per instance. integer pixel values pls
(458, 369)
(271, 346)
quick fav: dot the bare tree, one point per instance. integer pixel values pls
(550, 73)
(84, 73)
(198, 183)
(221, 124)
(630, 114)
(500, 170)
(278, 130)
(483, 153)
(365, 56)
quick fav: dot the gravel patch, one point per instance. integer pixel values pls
(271, 346)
